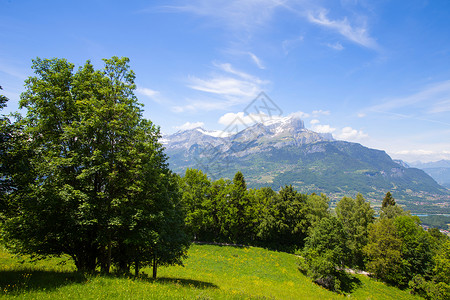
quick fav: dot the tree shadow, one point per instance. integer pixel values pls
(349, 283)
(221, 244)
(184, 282)
(20, 281)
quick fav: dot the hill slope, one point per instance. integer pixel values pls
(210, 272)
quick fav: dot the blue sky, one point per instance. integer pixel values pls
(372, 72)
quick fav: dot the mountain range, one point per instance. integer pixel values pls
(282, 151)
(439, 170)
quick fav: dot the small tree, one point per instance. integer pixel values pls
(355, 215)
(390, 210)
(388, 200)
(384, 252)
(325, 253)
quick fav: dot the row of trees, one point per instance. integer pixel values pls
(226, 211)
(83, 173)
(392, 247)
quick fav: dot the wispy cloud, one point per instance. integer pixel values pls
(336, 46)
(256, 60)
(243, 15)
(317, 113)
(224, 88)
(356, 34)
(12, 71)
(441, 107)
(151, 94)
(432, 99)
(290, 44)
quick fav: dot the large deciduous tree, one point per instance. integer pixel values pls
(100, 189)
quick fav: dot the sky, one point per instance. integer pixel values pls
(371, 72)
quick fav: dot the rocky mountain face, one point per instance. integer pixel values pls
(282, 152)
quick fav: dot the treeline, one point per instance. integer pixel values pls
(393, 247)
(226, 211)
(438, 221)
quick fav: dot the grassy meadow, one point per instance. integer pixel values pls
(210, 272)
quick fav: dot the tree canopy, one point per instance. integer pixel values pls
(99, 188)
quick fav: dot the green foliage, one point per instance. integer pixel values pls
(388, 200)
(384, 252)
(196, 199)
(355, 216)
(285, 226)
(429, 289)
(399, 249)
(442, 264)
(325, 253)
(390, 210)
(438, 221)
(97, 186)
(416, 246)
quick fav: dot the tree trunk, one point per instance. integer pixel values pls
(155, 265)
(108, 260)
(136, 268)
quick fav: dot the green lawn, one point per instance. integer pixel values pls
(210, 272)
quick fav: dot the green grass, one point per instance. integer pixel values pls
(210, 272)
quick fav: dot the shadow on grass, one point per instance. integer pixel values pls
(184, 282)
(19, 281)
(14, 282)
(221, 244)
(350, 283)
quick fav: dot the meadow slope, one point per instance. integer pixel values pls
(210, 272)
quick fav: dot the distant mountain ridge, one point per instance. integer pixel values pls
(283, 151)
(439, 170)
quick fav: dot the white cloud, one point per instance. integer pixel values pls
(314, 121)
(189, 125)
(336, 46)
(224, 88)
(256, 60)
(320, 112)
(361, 115)
(358, 35)
(350, 134)
(152, 94)
(323, 128)
(299, 114)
